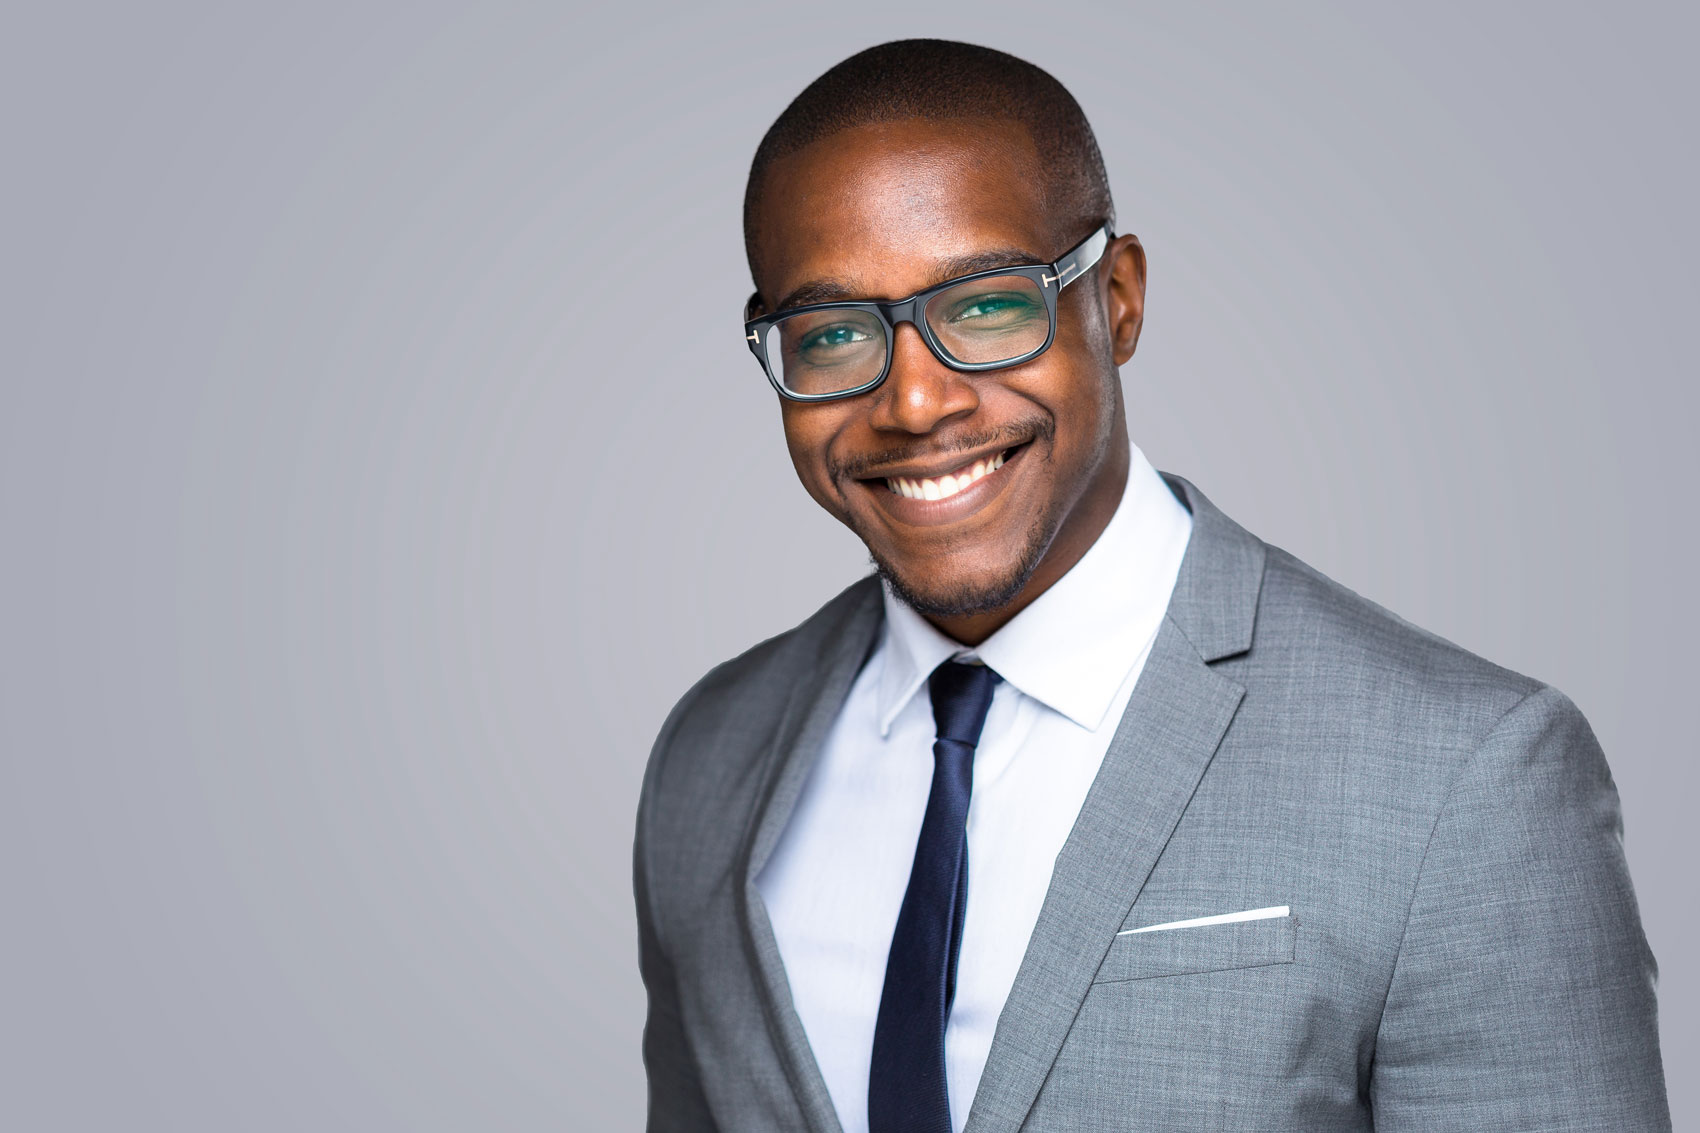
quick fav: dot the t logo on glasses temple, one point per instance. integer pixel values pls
(1047, 280)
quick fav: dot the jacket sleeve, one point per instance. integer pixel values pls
(676, 1100)
(1522, 996)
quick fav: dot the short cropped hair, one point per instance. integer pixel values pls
(940, 78)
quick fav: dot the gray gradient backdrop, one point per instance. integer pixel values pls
(379, 461)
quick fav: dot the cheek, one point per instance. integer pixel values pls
(1077, 396)
(804, 436)
(1087, 382)
(809, 433)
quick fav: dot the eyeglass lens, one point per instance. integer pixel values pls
(997, 319)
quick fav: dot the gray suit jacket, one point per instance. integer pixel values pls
(1463, 950)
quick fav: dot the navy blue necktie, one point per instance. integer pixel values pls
(906, 1085)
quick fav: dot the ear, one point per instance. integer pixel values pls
(1124, 285)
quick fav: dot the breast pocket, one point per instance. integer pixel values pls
(1199, 949)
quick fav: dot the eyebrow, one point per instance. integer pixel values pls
(835, 290)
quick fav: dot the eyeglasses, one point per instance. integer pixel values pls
(983, 321)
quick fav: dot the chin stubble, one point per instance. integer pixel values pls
(965, 599)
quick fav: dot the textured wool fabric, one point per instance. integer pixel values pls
(1462, 950)
(833, 886)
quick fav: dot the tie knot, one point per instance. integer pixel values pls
(961, 695)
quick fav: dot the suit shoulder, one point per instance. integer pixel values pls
(747, 690)
(1317, 632)
(708, 767)
(788, 652)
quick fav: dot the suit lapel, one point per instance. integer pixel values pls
(808, 717)
(1177, 716)
(1175, 719)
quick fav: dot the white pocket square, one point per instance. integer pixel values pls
(1219, 918)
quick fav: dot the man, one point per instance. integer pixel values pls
(1091, 811)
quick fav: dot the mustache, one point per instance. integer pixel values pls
(1005, 436)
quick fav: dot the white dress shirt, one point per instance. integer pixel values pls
(836, 879)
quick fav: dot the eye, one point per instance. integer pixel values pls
(834, 344)
(841, 334)
(998, 308)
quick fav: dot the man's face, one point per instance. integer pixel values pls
(881, 212)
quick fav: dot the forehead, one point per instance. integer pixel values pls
(879, 207)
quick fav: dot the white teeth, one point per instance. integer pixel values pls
(944, 486)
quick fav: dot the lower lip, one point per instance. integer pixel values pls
(950, 509)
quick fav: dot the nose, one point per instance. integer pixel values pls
(920, 392)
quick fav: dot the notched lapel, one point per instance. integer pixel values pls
(798, 739)
(1175, 720)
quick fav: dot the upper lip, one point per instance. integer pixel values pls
(936, 468)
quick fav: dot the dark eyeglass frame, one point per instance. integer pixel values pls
(1076, 262)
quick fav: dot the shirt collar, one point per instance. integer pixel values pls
(1076, 643)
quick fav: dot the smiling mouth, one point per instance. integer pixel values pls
(949, 483)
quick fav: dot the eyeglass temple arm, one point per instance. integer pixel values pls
(1077, 262)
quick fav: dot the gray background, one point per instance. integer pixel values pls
(379, 461)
